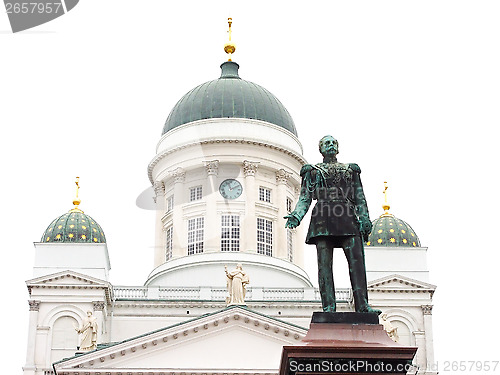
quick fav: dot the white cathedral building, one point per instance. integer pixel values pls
(226, 172)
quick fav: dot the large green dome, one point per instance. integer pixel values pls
(75, 227)
(389, 231)
(229, 97)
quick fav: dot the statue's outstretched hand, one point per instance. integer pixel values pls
(291, 222)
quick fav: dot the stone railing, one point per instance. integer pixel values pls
(220, 294)
(283, 294)
(129, 292)
(179, 293)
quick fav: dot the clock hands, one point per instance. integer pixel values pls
(230, 189)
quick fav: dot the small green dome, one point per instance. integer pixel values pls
(75, 227)
(229, 97)
(390, 231)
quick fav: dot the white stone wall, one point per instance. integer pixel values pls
(91, 259)
(383, 261)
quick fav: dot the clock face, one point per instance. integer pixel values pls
(230, 189)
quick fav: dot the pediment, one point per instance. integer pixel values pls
(398, 282)
(66, 278)
(236, 339)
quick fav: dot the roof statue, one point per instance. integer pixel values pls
(88, 330)
(236, 285)
(339, 219)
(389, 328)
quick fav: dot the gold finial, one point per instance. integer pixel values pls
(386, 205)
(229, 47)
(77, 200)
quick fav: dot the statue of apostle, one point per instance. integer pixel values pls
(88, 331)
(339, 219)
(389, 328)
(237, 281)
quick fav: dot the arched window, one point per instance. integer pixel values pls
(64, 338)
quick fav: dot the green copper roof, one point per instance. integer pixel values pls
(229, 97)
(390, 231)
(74, 227)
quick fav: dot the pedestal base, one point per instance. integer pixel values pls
(334, 346)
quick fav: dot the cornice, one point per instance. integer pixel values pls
(165, 153)
(195, 304)
(78, 281)
(395, 278)
(404, 285)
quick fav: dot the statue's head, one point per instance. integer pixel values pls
(89, 313)
(328, 145)
(239, 266)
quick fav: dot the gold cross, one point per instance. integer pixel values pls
(77, 182)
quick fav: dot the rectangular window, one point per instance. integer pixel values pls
(289, 244)
(195, 235)
(195, 193)
(230, 233)
(264, 194)
(288, 205)
(264, 236)
(169, 242)
(170, 203)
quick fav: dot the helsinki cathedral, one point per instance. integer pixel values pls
(225, 173)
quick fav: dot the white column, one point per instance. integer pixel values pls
(29, 368)
(179, 238)
(212, 223)
(159, 253)
(98, 307)
(250, 222)
(429, 342)
(281, 243)
(420, 343)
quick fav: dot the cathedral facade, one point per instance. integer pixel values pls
(225, 173)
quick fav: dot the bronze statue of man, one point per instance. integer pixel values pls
(339, 219)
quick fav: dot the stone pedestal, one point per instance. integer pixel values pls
(352, 343)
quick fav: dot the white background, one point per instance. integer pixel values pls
(410, 89)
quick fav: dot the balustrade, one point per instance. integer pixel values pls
(220, 294)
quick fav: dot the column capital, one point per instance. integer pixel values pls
(98, 305)
(212, 167)
(427, 309)
(34, 305)
(159, 188)
(250, 168)
(282, 176)
(179, 174)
